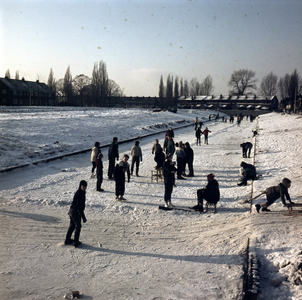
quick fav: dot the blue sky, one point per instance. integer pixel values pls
(141, 40)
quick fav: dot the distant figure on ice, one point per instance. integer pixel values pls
(231, 119)
(94, 153)
(189, 158)
(76, 213)
(198, 133)
(246, 147)
(275, 192)
(112, 155)
(170, 132)
(159, 155)
(169, 145)
(169, 179)
(248, 172)
(99, 172)
(211, 193)
(195, 123)
(254, 133)
(137, 156)
(206, 134)
(180, 158)
(119, 177)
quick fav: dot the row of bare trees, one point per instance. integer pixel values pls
(82, 90)
(168, 95)
(242, 82)
(85, 91)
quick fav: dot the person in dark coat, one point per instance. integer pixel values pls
(99, 172)
(275, 192)
(189, 158)
(195, 123)
(170, 132)
(169, 179)
(169, 145)
(94, 153)
(248, 172)
(246, 147)
(180, 158)
(137, 157)
(159, 156)
(112, 155)
(198, 133)
(76, 213)
(211, 193)
(119, 177)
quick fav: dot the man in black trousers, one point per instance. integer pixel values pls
(76, 213)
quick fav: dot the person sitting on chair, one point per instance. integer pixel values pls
(210, 193)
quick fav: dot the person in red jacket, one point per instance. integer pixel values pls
(206, 133)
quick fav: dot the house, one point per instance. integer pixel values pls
(230, 102)
(15, 92)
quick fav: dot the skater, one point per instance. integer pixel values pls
(159, 155)
(136, 153)
(180, 158)
(211, 193)
(170, 132)
(94, 153)
(206, 133)
(275, 192)
(112, 155)
(189, 158)
(198, 133)
(248, 172)
(169, 179)
(255, 133)
(169, 145)
(99, 172)
(246, 147)
(195, 123)
(119, 177)
(76, 212)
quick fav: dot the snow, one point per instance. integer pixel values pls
(145, 253)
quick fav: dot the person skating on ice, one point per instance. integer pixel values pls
(119, 176)
(169, 178)
(76, 213)
(275, 192)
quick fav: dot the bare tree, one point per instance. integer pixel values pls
(181, 87)
(176, 90)
(80, 82)
(241, 81)
(186, 88)
(169, 92)
(161, 92)
(194, 87)
(67, 86)
(268, 86)
(7, 73)
(206, 87)
(113, 90)
(99, 83)
(51, 82)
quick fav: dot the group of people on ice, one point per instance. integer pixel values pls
(185, 156)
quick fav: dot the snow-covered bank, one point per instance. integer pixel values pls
(30, 134)
(148, 253)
